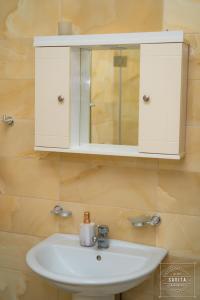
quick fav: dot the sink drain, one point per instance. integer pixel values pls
(99, 257)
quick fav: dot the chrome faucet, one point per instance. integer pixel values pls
(101, 239)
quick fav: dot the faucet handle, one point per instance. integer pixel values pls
(103, 230)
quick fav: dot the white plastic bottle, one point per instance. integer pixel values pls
(87, 231)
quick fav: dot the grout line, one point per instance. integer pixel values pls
(24, 234)
(193, 79)
(27, 271)
(16, 79)
(81, 203)
(189, 33)
(152, 210)
(45, 158)
(190, 125)
(27, 197)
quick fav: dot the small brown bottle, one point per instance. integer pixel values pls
(87, 231)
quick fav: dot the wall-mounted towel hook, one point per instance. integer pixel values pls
(59, 211)
(7, 120)
(142, 221)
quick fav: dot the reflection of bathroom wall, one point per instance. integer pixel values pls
(104, 88)
(114, 95)
(130, 97)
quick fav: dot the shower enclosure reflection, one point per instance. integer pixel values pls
(110, 95)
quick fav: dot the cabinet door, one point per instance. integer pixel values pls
(160, 98)
(52, 97)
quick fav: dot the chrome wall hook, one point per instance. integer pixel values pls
(59, 211)
(8, 120)
(142, 221)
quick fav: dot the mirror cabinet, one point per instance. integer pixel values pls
(111, 94)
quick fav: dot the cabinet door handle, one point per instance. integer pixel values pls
(146, 98)
(61, 99)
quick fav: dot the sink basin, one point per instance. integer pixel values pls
(90, 273)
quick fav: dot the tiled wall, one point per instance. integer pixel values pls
(112, 188)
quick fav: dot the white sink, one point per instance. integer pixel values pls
(90, 273)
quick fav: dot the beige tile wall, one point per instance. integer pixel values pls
(112, 188)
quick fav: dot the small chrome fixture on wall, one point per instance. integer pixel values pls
(7, 120)
(145, 220)
(59, 211)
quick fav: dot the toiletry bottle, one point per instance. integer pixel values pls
(87, 231)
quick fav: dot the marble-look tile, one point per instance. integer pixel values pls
(23, 145)
(44, 155)
(191, 161)
(181, 15)
(5, 8)
(17, 285)
(113, 16)
(180, 235)
(132, 294)
(143, 291)
(17, 98)
(147, 163)
(117, 161)
(193, 107)
(88, 182)
(28, 216)
(38, 288)
(194, 55)
(117, 218)
(13, 249)
(178, 192)
(12, 283)
(16, 59)
(63, 295)
(29, 177)
(32, 17)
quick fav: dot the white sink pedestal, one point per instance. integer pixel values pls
(77, 297)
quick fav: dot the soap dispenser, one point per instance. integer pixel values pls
(87, 231)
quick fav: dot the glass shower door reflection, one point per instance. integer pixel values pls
(114, 85)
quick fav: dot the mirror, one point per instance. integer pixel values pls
(110, 90)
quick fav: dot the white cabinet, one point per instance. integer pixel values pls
(55, 96)
(162, 98)
(60, 94)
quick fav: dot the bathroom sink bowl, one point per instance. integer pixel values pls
(90, 273)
